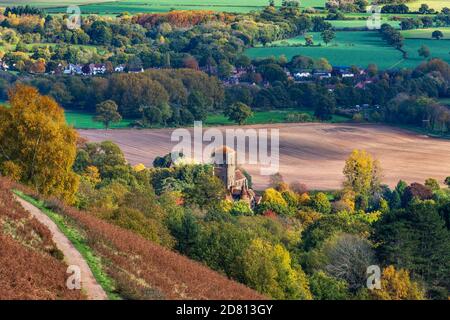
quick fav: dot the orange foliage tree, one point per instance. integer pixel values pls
(397, 285)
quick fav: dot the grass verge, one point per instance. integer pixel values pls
(79, 243)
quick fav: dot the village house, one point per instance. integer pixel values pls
(97, 68)
(343, 72)
(302, 75)
(119, 68)
(73, 69)
(3, 66)
(321, 74)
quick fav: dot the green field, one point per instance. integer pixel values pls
(445, 101)
(138, 6)
(425, 33)
(47, 3)
(262, 117)
(340, 24)
(435, 4)
(356, 48)
(80, 120)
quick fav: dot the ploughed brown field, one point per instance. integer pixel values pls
(313, 153)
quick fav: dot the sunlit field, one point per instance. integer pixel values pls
(356, 48)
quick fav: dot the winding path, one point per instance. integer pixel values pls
(71, 255)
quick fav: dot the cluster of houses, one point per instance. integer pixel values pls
(91, 69)
(306, 75)
(338, 71)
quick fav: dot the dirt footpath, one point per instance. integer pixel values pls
(71, 255)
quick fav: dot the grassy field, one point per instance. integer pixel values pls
(138, 6)
(48, 3)
(83, 120)
(80, 120)
(425, 33)
(340, 24)
(261, 117)
(445, 101)
(356, 48)
(435, 4)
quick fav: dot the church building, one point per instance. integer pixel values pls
(226, 169)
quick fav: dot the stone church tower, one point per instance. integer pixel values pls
(225, 165)
(225, 168)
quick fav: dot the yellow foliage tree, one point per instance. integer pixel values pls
(12, 170)
(363, 174)
(34, 137)
(268, 269)
(273, 196)
(304, 199)
(139, 167)
(397, 285)
(92, 175)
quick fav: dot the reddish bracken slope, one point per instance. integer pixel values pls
(145, 270)
(29, 268)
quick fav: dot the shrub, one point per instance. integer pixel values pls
(325, 287)
(321, 203)
(241, 208)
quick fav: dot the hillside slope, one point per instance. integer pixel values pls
(142, 269)
(30, 263)
(72, 256)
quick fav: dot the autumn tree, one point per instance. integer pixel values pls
(432, 184)
(437, 34)
(424, 51)
(37, 142)
(272, 200)
(416, 191)
(447, 181)
(397, 285)
(221, 246)
(106, 113)
(363, 176)
(241, 208)
(239, 112)
(207, 191)
(269, 269)
(321, 203)
(328, 35)
(326, 287)
(346, 257)
(372, 69)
